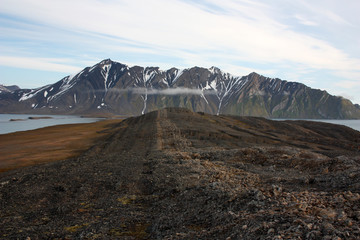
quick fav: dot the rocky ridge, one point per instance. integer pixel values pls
(4, 88)
(175, 174)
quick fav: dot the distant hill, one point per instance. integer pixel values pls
(8, 88)
(112, 87)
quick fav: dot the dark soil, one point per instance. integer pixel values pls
(174, 174)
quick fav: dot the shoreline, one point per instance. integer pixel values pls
(10, 123)
(29, 118)
(354, 124)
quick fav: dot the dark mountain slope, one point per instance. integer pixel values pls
(175, 174)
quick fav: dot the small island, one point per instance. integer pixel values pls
(37, 118)
(17, 119)
(29, 118)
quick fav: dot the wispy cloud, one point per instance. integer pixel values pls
(244, 27)
(348, 84)
(303, 20)
(237, 35)
(56, 65)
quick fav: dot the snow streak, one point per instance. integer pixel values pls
(147, 77)
(145, 101)
(32, 93)
(67, 83)
(225, 90)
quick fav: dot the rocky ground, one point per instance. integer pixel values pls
(174, 174)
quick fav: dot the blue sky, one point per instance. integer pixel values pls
(313, 42)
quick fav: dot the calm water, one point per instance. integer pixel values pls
(354, 124)
(7, 126)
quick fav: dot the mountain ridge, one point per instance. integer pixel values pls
(11, 88)
(116, 88)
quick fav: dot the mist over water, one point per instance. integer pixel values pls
(23, 122)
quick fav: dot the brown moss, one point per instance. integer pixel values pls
(49, 144)
(127, 199)
(75, 228)
(138, 231)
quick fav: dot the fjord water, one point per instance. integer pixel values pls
(23, 123)
(354, 124)
(7, 126)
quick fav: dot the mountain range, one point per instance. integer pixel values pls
(115, 88)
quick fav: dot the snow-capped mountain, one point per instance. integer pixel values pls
(4, 88)
(112, 87)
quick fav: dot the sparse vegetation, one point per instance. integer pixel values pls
(156, 177)
(73, 229)
(49, 144)
(127, 199)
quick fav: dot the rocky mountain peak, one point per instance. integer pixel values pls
(106, 61)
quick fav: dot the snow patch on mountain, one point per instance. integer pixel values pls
(3, 89)
(147, 76)
(67, 83)
(225, 89)
(144, 97)
(92, 68)
(32, 93)
(214, 70)
(178, 73)
(105, 73)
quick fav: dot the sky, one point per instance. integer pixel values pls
(313, 42)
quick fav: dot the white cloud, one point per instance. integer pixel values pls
(335, 18)
(348, 84)
(43, 64)
(303, 20)
(326, 10)
(352, 75)
(247, 31)
(223, 33)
